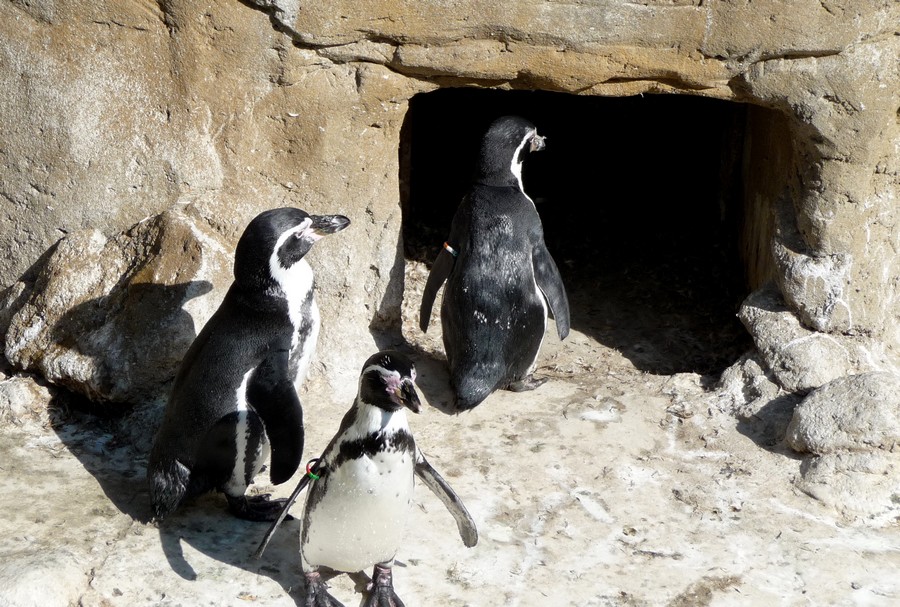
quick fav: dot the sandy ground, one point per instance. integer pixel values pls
(609, 485)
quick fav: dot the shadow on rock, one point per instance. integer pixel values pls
(767, 425)
(206, 526)
(135, 337)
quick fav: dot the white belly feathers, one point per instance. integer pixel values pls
(360, 517)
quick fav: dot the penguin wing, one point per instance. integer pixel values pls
(440, 270)
(287, 506)
(271, 393)
(546, 274)
(448, 497)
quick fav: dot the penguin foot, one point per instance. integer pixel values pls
(381, 589)
(529, 382)
(316, 592)
(259, 508)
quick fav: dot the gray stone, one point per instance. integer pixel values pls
(38, 578)
(862, 487)
(21, 397)
(112, 318)
(802, 359)
(855, 413)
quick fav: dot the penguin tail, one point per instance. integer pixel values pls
(470, 397)
(168, 486)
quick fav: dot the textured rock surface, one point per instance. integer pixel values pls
(114, 111)
(603, 469)
(21, 399)
(855, 413)
(112, 318)
(863, 485)
(802, 359)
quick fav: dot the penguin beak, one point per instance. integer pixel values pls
(323, 225)
(406, 395)
(538, 143)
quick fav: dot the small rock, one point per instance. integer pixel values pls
(855, 413)
(861, 486)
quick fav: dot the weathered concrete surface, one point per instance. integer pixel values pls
(606, 486)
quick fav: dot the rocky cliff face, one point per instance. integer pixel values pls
(200, 117)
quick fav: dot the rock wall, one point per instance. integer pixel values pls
(114, 111)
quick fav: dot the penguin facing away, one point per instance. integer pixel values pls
(362, 487)
(501, 281)
(234, 399)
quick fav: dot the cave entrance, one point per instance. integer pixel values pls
(656, 208)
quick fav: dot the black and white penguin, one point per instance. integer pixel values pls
(360, 497)
(234, 399)
(501, 279)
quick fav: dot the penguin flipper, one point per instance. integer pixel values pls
(272, 395)
(546, 274)
(284, 511)
(438, 486)
(440, 270)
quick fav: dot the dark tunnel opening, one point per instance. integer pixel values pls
(641, 200)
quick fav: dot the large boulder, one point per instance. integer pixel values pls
(854, 413)
(111, 318)
(851, 425)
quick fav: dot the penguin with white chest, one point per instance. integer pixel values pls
(234, 400)
(360, 497)
(501, 280)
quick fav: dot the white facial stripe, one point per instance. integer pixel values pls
(382, 371)
(516, 164)
(274, 263)
(295, 281)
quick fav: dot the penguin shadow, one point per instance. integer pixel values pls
(112, 439)
(136, 333)
(205, 526)
(93, 434)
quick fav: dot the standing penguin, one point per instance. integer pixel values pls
(360, 497)
(501, 279)
(235, 393)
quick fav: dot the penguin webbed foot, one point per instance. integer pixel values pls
(317, 592)
(257, 508)
(527, 383)
(381, 589)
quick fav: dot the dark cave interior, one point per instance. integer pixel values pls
(641, 201)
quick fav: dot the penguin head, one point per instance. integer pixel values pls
(503, 149)
(388, 381)
(277, 239)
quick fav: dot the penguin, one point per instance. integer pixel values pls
(361, 488)
(501, 280)
(234, 399)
